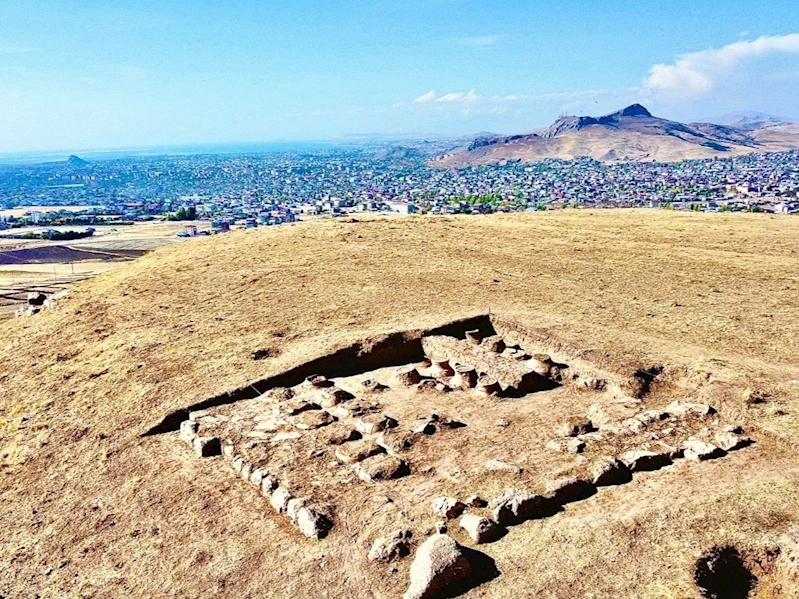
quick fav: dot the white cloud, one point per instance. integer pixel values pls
(461, 97)
(426, 98)
(697, 73)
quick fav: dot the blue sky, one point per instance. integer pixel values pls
(104, 74)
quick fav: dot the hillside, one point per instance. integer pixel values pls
(706, 302)
(749, 120)
(630, 134)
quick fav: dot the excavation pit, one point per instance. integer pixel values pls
(420, 419)
(722, 574)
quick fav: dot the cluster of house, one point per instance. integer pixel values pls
(270, 189)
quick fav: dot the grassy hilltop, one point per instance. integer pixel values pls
(90, 508)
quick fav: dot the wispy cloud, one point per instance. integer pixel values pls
(697, 73)
(426, 98)
(499, 104)
(480, 40)
(430, 97)
(461, 97)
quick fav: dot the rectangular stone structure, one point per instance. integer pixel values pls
(509, 373)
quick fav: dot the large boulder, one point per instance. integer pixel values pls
(730, 440)
(188, 431)
(382, 467)
(280, 499)
(500, 466)
(357, 451)
(683, 408)
(312, 419)
(439, 563)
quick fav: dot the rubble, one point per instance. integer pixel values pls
(390, 547)
(448, 507)
(574, 426)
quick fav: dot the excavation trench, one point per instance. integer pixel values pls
(396, 349)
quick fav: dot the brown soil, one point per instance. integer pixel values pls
(91, 508)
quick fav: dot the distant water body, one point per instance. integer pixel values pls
(188, 150)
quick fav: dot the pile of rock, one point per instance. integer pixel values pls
(37, 301)
(485, 365)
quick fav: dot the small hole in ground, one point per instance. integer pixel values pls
(722, 574)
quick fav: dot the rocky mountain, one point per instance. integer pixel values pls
(630, 134)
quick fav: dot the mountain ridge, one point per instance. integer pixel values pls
(630, 134)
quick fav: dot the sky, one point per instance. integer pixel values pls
(135, 73)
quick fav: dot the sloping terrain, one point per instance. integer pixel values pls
(630, 134)
(93, 508)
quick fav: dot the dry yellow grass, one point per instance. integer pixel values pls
(90, 508)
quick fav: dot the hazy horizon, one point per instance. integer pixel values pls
(80, 78)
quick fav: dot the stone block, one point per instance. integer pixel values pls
(698, 451)
(480, 528)
(188, 431)
(642, 461)
(447, 507)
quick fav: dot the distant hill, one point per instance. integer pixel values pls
(77, 161)
(400, 153)
(630, 134)
(749, 120)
